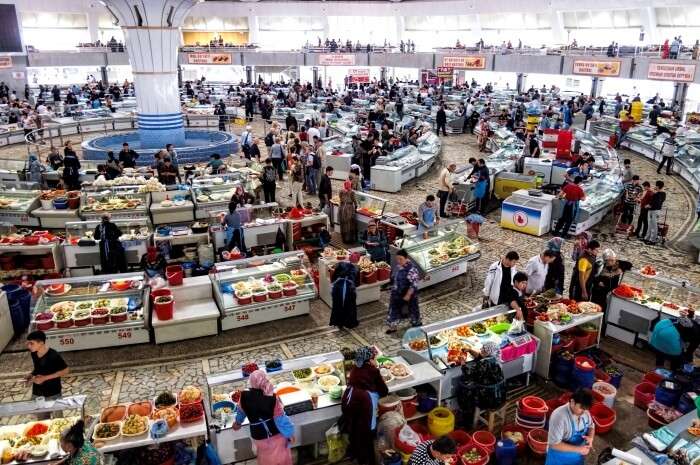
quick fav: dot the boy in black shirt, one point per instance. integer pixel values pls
(49, 367)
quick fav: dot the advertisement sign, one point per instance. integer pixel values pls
(445, 72)
(671, 72)
(6, 62)
(609, 68)
(464, 62)
(209, 58)
(18, 75)
(520, 218)
(336, 59)
(358, 75)
(428, 76)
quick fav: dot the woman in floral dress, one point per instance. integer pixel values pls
(80, 452)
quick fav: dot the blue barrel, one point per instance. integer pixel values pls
(615, 380)
(668, 393)
(506, 452)
(583, 378)
(19, 301)
(561, 372)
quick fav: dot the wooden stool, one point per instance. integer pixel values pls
(489, 417)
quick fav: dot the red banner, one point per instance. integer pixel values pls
(336, 59)
(358, 75)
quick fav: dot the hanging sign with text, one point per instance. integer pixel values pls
(359, 75)
(671, 72)
(597, 68)
(446, 73)
(464, 62)
(6, 62)
(336, 59)
(209, 58)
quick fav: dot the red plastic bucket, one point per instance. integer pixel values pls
(643, 394)
(383, 273)
(164, 311)
(462, 438)
(653, 378)
(485, 454)
(485, 440)
(160, 292)
(174, 274)
(603, 416)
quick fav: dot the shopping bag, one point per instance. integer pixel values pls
(337, 444)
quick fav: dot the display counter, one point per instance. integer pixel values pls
(195, 313)
(445, 254)
(366, 291)
(92, 312)
(40, 438)
(530, 214)
(123, 202)
(308, 398)
(261, 289)
(185, 242)
(51, 217)
(16, 207)
(18, 259)
(396, 168)
(339, 153)
(82, 251)
(642, 299)
(305, 231)
(260, 225)
(369, 208)
(212, 197)
(452, 343)
(172, 207)
(545, 331)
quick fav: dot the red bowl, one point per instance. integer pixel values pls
(64, 324)
(31, 240)
(274, 294)
(44, 325)
(244, 300)
(118, 318)
(260, 297)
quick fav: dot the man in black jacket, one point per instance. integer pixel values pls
(441, 120)
(291, 122)
(325, 189)
(127, 157)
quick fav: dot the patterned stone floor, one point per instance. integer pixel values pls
(140, 372)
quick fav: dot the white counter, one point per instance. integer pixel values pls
(181, 431)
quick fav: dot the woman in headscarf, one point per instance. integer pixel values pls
(112, 255)
(35, 170)
(375, 242)
(404, 293)
(344, 294)
(346, 213)
(608, 279)
(556, 272)
(153, 263)
(71, 168)
(270, 428)
(360, 404)
(233, 228)
(580, 246)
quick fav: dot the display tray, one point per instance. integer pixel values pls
(180, 432)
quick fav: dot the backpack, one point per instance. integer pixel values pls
(270, 176)
(317, 162)
(269, 140)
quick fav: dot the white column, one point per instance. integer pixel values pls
(326, 30)
(93, 24)
(649, 24)
(253, 29)
(476, 29)
(400, 28)
(558, 30)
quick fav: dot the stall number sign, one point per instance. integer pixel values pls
(597, 68)
(99, 338)
(336, 59)
(671, 72)
(464, 62)
(359, 75)
(209, 58)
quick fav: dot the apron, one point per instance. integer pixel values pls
(374, 400)
(555, 457)
(429, 219)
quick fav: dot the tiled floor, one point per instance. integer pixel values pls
(140, 372)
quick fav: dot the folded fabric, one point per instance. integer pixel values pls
(664, 435)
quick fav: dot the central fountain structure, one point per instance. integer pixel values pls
(152, 37)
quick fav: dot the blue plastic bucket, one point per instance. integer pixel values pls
(506, 452)
(668, 393)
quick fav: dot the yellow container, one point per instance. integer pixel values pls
(441, 421)
(405, 457)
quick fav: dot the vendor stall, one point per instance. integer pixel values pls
(57, 207)
(443, 255)
(213, 194)
(369, 208)
(643, 297)
(93, 311)
(339, 153)
(527, 211)
(41, 439)
(16, 207)
(369, 279)
(260, 289)
(452, 343)
(185, 243)
(172, 207)
(82, 251)
(36, 254)
(310, 389)
(121, 202)
(304, 230)
(193, 312)
(260, 225)
(397, 167)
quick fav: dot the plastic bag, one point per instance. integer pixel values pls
(408, 436)
(388, 424)
(517, 327)
(337, 444)
(157, 283)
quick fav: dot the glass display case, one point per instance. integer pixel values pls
(16, 206)
(369, 205)
(261, 289)
(687, 163)
(213, 197)
(260, 224)
(345, 127)
(124, 202)
(403, 157)
(448, 245)
(81, 250)
(93, 311)
(601, 192)
(429, 143)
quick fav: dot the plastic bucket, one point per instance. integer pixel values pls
(653, 378)
(584, 376)
(602, 387)
(383, 273)
(604, 417)
(506, 452)
(174, 274)
(441, 421)
(160, 292)
(164, 311)
(462, 438)
(668, 393)
(514, 428)
(485, 454)
(484, 439)
(644, 394)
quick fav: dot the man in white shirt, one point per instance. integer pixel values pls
(445, 187)
(247, 141)
(536, 270)
(313, 132)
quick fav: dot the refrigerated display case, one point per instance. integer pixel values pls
(395, 168)
(429, 146)
(81, 250)
(172, 207)
(310, 389)
(444, 255)
(339, 153)
(260, 225)
(687, 164)
(365, 291)
(369, 207)
(455, 342)
(530, 214)
(261, 289)
(631, 317)
(122, 202)
(16, 207)
(93, 311)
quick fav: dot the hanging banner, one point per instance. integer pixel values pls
(209, 58)
(6, 62)
(446, 73)
(358, 75)
(610, 68)
(428, 76)
(18, 75)
(671, 72)
(336, 59)
(464, 62)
